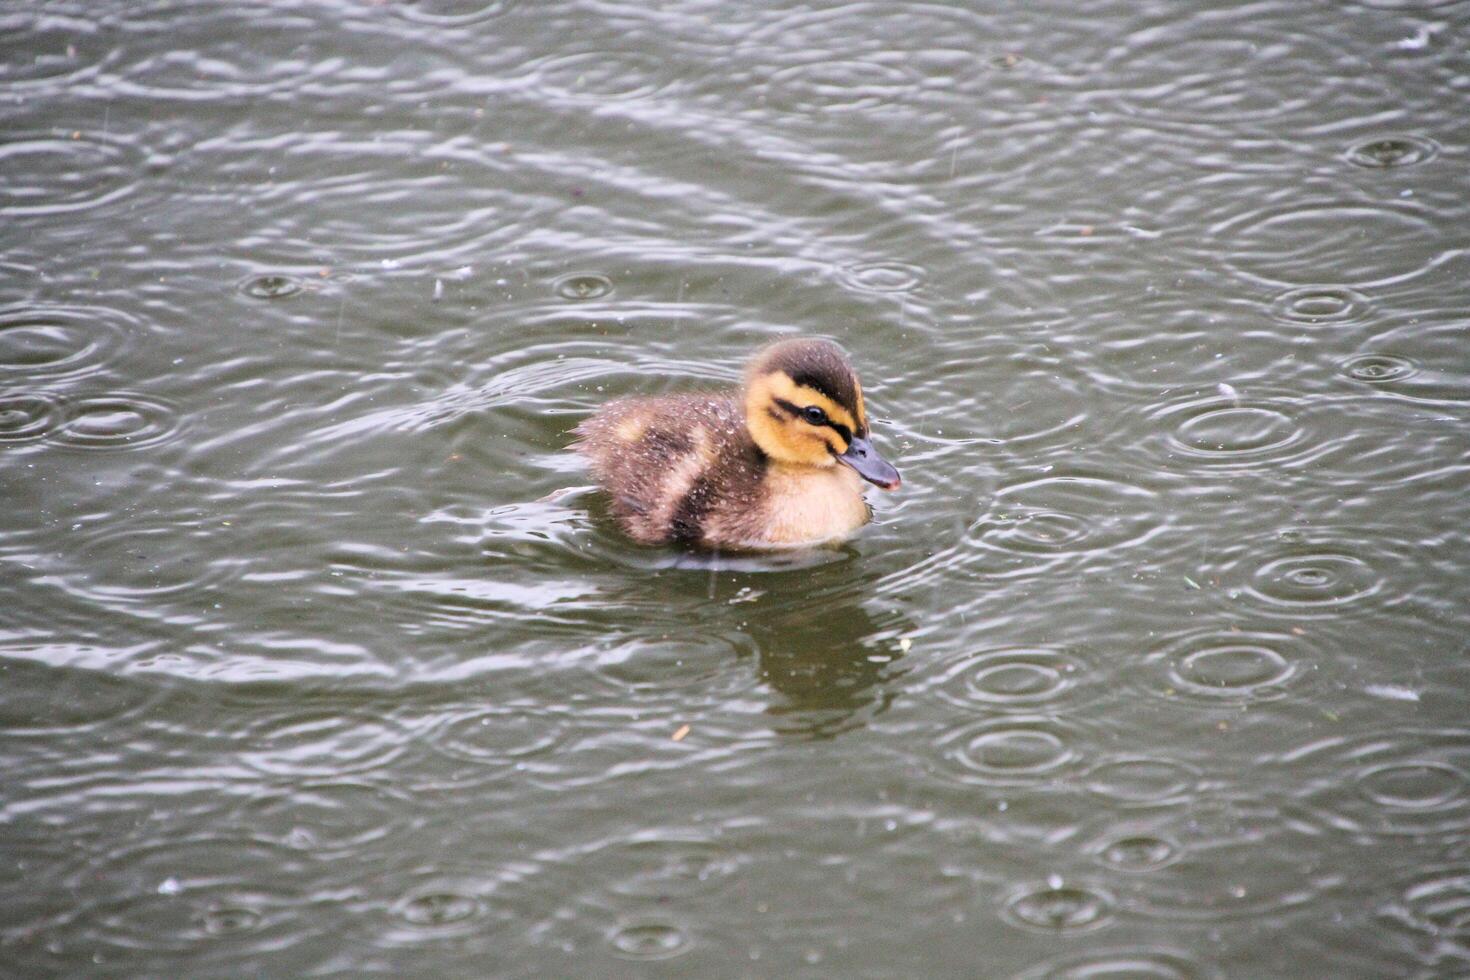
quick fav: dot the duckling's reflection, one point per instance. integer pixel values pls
(833, 666)
(828, 651)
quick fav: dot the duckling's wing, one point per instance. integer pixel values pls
(650, 453)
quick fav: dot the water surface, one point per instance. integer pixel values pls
(318, 657)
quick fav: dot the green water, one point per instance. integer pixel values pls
(319, 656)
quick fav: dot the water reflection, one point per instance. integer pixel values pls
(833, 663)
(828, 652)
(1159, 653)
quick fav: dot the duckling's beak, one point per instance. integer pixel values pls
(862, 457)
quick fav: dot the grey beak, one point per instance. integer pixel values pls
(861, 456)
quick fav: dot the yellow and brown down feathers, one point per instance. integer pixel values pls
(774, 465)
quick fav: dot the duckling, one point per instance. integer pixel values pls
(777, 464)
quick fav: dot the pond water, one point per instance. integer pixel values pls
(1155, 667)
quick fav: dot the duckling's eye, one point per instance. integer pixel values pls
(814, 414)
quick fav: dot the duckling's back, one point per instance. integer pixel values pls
(675, 465)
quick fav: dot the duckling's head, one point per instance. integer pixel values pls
(804, 407)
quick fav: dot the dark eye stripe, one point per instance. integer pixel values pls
(836, 427)
(787, 407)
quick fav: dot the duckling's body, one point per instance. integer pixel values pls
(760, 468)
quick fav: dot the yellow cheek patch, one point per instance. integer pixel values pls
(790, 440)
(782, 387)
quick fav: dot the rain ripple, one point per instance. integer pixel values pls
(1225, 666)
(1138, 853)
(838, 86)
(1026, 397)
(1423, 362)
(61, 51)
(1011, 751)
(1068, 515)
(1392, 151)
(245, 53)
(1142, 781)
(179, 895)
(25, 417)
(347, 216)
(1222, 871)
(1321, 304)
(1229, 429)
(48, 173)
(884, 277)
(51, 701)
(1436, 905)
(125, 565)
(1015, 679)
(56, 342)
(328, 742)
(1056, 907)
(451, 13)
(620, 891)
(118, 421)
(181, 923)
(1127, 963)
(323, 818)
(497, 738)
(603, 76)
(583, 286)
(1316, 578)
(1391, 784)
(1320, 572)
(438, 910)
(662, 865)
(440, 907)
(624, 876)
(1320, 241)
(272, 285)
(650, 939)
(1379, 369)
(1244, 68)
